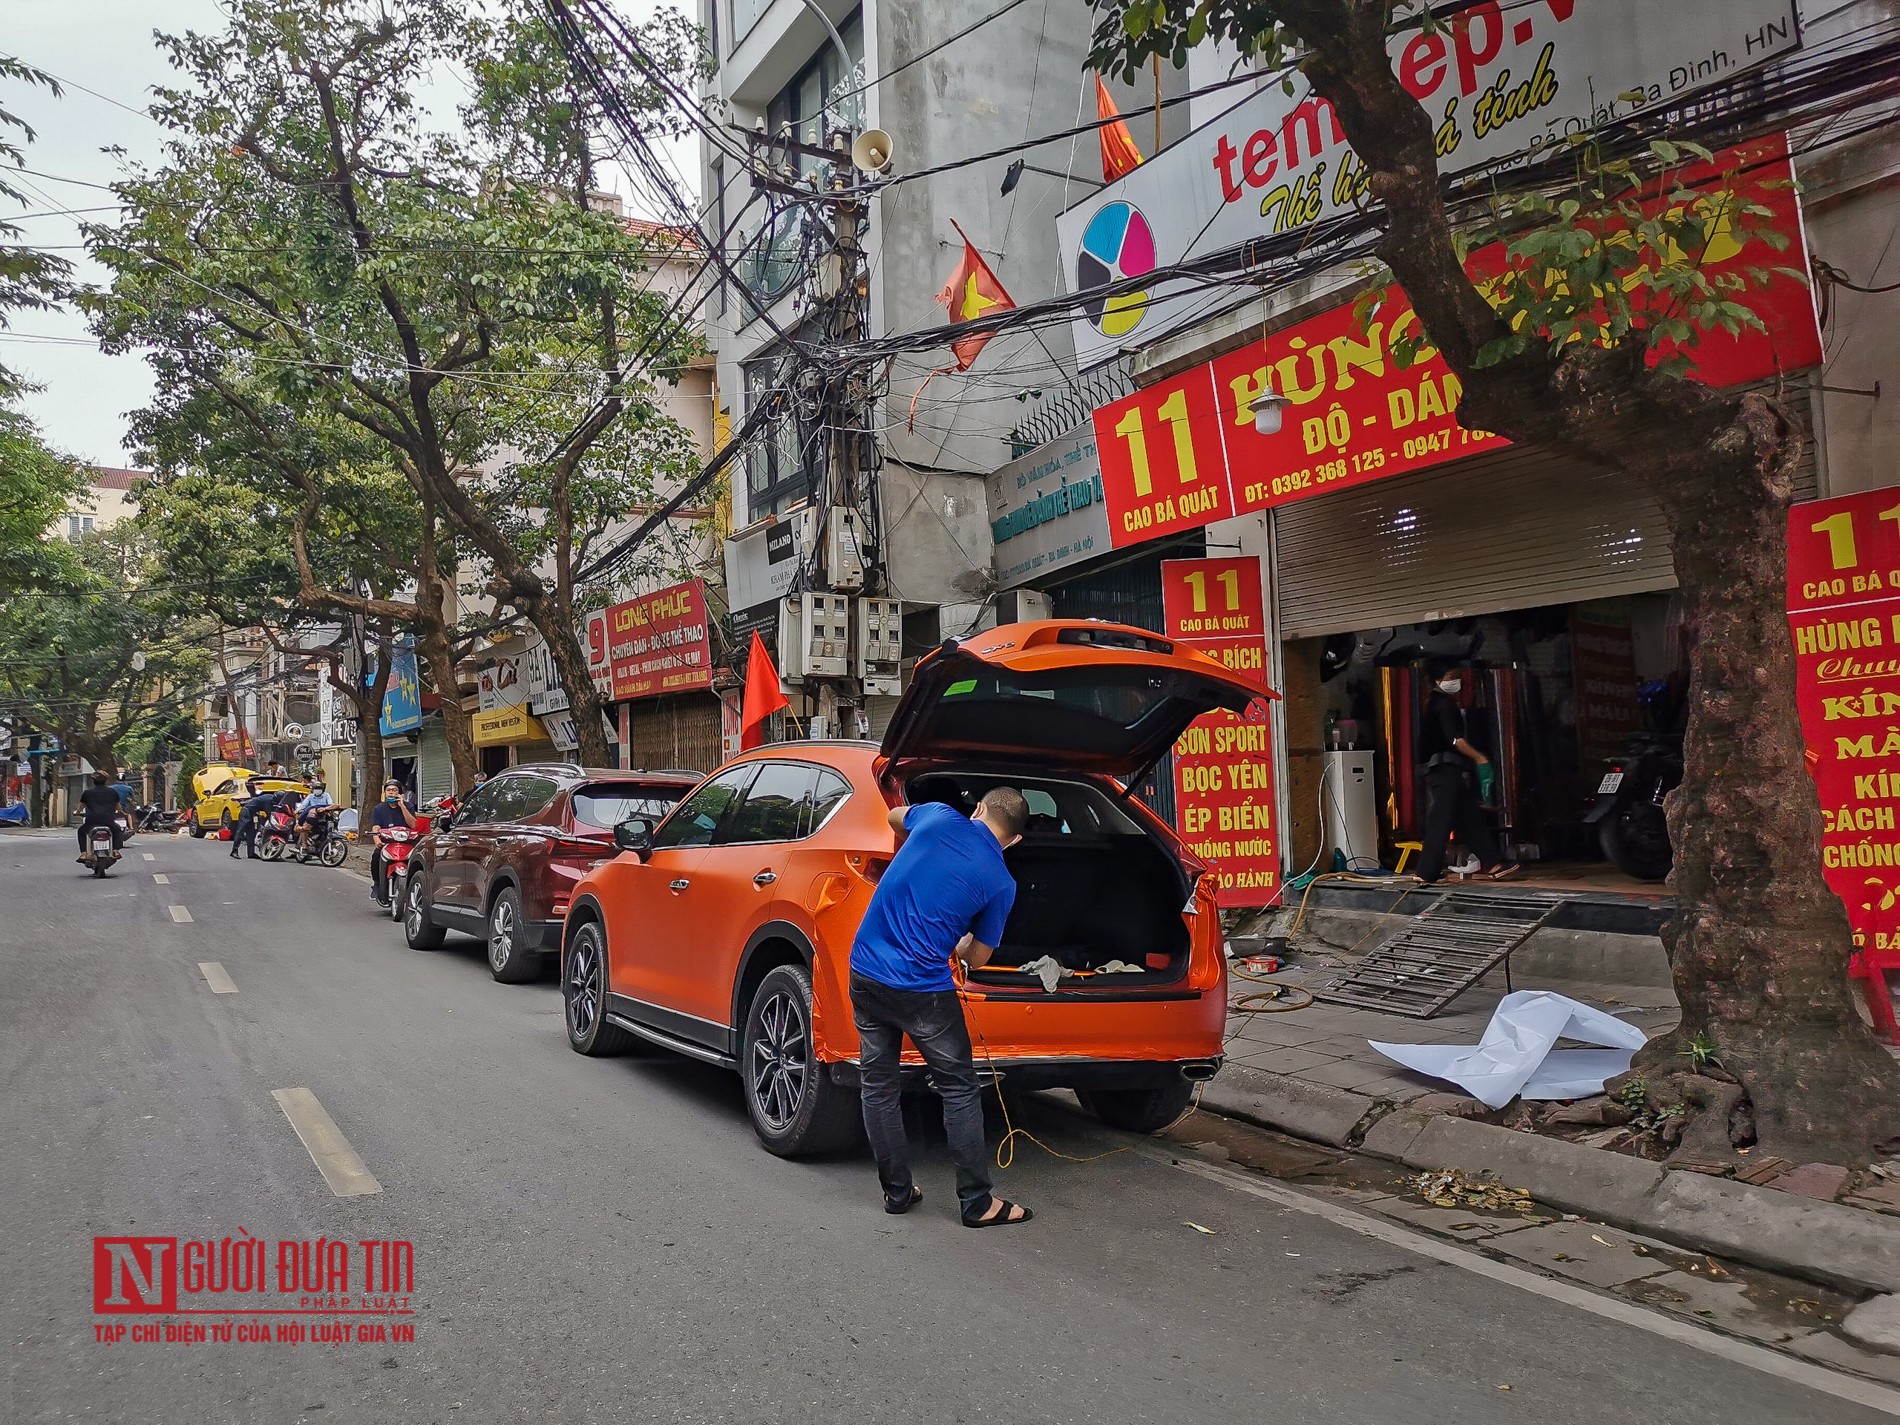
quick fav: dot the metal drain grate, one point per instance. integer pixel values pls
(1446, 950)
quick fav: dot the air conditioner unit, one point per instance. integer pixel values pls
(880, 647)
(1023, 606)
(844, 549)
(814, 636)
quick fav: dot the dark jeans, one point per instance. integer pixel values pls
(245, 835)
(1451, 804)
(85, 830)
(934, 1022)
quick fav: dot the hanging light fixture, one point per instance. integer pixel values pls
(1267, 408)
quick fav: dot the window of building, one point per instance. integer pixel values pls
(776, 473)
(77, 525)
(810, 103)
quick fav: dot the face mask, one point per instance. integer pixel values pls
(392, 796)
(1450, 685)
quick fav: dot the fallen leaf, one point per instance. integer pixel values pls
(1604, 1240)
(1563, 1257)
(1705, 1313)
(1504, 1387)
(1206, 1231)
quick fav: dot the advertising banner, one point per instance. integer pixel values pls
(1185, 452)
(1500, 80)
(1844, 612)
(402, 699)
(499, 684)
(658, 643)
(502, 726)
(1223, 763)
(1046, 510)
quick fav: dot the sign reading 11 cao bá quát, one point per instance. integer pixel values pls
(1844, 612)
(1223, 763)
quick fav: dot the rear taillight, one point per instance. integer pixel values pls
(580, 848)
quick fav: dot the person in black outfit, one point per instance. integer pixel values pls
(1447, 765)
(254, 809)
(392, 810)
(99, 806)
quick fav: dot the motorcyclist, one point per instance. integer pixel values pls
(316, 801)
(391, 811)
(99, 806)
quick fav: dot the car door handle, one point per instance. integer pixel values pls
(681, 884)
(765, 878)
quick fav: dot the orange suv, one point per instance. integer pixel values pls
(726, 933)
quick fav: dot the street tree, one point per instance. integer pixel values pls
(30, 278)
(315, 249)
(1562, 352)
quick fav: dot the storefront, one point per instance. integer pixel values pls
(652, 655)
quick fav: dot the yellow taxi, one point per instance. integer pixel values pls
(221, 793)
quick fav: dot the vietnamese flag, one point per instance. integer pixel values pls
(1120, 157)
(971, 293)
(763, 696)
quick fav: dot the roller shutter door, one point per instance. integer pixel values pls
(681, 733)
(1513, 529)
(436, 771)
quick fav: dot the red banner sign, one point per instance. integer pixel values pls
(236, 746)
(1223, 763)
(1844, 611)
(1185, 452)
(658, 643)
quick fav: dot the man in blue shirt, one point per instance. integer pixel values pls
(947, 893)
(316, 801)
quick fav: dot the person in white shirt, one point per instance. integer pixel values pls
(314, 802)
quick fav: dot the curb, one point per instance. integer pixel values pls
(1845, 1247)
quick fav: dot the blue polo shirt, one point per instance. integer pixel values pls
(948, 879)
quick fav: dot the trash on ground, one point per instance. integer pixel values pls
(1204, 1231)
(1516, 1055)
(1449, 1187)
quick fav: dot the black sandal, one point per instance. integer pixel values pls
(1002, 1217)
(897, 1209)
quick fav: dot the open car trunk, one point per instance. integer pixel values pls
(1093, 887)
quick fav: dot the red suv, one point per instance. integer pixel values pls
(505, 868)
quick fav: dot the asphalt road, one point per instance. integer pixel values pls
(604, 1240)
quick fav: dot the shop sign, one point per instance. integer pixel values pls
(1184, 452)
(541, 676)
(499, 684)
(762, 562)
(658, 643)
(1046, 510)
(1844, 612)
(1500, 81)
(236, 747)
(502, 726)
(1224, 797)
(1603, 671)
(402, 699)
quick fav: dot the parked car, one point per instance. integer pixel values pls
(506, 868)
(726, 934)
(218, 808)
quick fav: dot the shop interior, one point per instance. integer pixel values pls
(1551, 695)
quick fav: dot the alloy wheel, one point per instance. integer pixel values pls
(582, 986)
(412, 908)
(501, 933)
(779, 1060)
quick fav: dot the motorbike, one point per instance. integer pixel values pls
(99, 850)
(398, 843)
(1628, 815)
(276, 834)
(325, 842)
(153, 817)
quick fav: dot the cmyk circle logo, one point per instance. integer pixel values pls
(1118, 243)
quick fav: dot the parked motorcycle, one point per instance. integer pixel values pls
(153, 817)
(276, 834)
(99, 850)
(398, 843)
(1628, 815)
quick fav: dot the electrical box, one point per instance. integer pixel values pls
(1023, 606)
(880, 647)
(844, 549)
(814, 638)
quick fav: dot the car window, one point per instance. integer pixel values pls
(776, 806)
(832, 789)
(1045, 817)
(480, 805)
(695, 821)
(606, 804)
(520, 797)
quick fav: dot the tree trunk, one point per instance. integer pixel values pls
(368, 702)
(1759, 945)
(583, 698)
(433, 643)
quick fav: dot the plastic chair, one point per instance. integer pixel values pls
(1870, 967)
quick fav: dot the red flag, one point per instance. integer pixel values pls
(762, 695)
(971, 292)
(1120, 157)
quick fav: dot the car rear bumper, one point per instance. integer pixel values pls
(1061, 1073)
(544, 935)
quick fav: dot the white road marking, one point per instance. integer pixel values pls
(325, 1143)
(1814, 1377)
(161, 878)
(215, 976)
(180, 914)
(148, 856)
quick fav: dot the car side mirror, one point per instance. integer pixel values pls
(635, 834)
(442, 821)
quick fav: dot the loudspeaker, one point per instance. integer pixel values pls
(872, 151)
